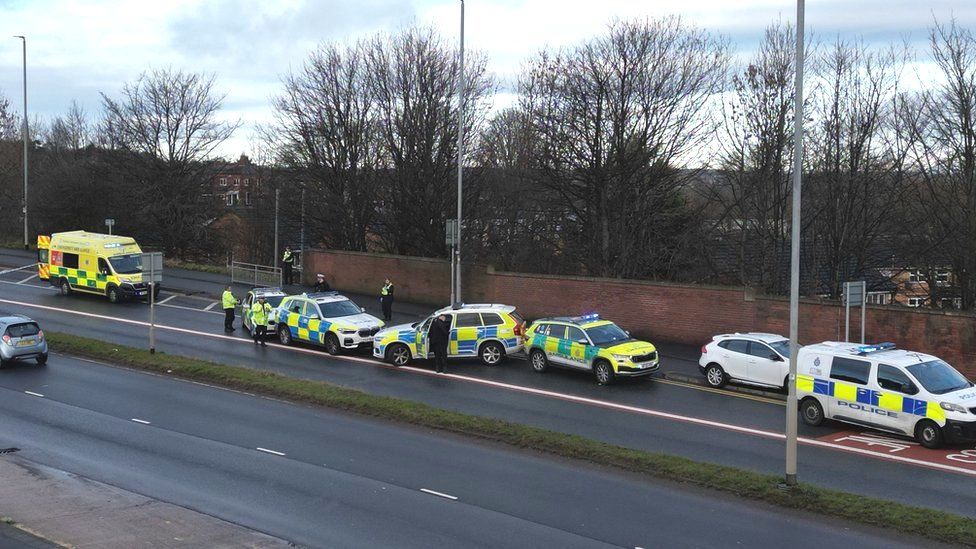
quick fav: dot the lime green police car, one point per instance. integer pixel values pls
(590, 344)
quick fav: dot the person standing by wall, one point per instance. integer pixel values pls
(386, 300)
(438, 337)
(229, 303)
(287, 262)
(259, 319)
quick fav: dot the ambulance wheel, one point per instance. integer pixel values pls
(64, 288)
(491, 353)
(284, 335)
(715, 376)
(603, 371)
(332, 344)
(113, 294)
(398, 354)
(812, 412)
(928, 434)
(538, 360)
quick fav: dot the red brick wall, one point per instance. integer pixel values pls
(658, 311)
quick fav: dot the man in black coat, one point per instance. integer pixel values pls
(438, 338)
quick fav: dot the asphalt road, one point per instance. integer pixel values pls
(327, 479)
(718, 427)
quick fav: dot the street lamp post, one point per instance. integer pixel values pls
(26, 133)
(277, 194)
(791, 403)
(460, 167)
(301, 242)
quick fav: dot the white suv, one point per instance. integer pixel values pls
(751, 358)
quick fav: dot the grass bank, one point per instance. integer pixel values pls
(933, 524)
(191, 266)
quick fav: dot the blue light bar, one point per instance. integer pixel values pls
(590, 316)
(865, 349)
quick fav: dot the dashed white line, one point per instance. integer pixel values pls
(272, 452)
(211, 306)
(32, 393)
(31, 277)
(439, 494)
(142, 421)
(165, 300)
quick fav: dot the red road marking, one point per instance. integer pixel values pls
(904, 447)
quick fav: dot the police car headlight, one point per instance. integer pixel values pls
(347, 331)
(953, 407)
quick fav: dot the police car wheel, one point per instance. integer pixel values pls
(491, 353)
(928, 434)
(603, 372)
(332, 344)
(398, 354)
(284, 336)
(812, 412)
(715, 376)
(538, 360)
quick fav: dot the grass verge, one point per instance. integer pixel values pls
(200, 267)
(929, 523)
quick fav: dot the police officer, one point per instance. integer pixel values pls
(259, 319)
(320, 284)
(438, 336)
(229, 303)
(386, 300)
(287, 262)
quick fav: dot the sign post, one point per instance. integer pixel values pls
(109, 222)
(153, 263)
(854, 292)
(450, 238)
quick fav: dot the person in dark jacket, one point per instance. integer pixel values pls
(320, 284)
(438, 338)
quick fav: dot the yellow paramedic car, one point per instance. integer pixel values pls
(590, 344)
(79, 261)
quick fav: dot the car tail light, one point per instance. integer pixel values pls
(6, 339)
(518, 330)
(704, 349)
(40, 334)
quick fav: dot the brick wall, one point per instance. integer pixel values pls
(657, 311)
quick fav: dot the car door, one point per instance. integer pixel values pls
(556, 345)
(246, 311)
(850, 391)
(423, 349)
(736, 357)
(464, 335)
(893, 387)
(763, 364)
(578, 343)
(296, 312)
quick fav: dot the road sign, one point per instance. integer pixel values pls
(450, 232)
(854, 294)
(152, 267)
(109, 222)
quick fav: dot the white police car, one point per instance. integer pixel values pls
(272, 296)
(893, 390)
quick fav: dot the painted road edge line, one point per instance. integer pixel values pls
(32, 393)
(439, 494)
(540, 392)
(165, 300)
(272, 452)
(142, 421)
(211, 306)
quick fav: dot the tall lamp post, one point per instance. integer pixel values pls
(460, 167)
(791, 403)
(26, 133)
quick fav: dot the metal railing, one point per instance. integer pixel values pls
(254, 275)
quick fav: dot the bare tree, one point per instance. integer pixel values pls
(616, 120)
(72, 131)
(165, 128)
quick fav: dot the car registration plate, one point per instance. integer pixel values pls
(141, 292)
(26, 342)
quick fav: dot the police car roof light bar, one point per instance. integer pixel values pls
(876, 348)
(588, 316)
(321, 294)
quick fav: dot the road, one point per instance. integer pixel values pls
(327, 479)
(713, 426)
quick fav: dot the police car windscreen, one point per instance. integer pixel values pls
(333, 309)
(127, 264)
(273, 300)
(606, 334)
(938, 377)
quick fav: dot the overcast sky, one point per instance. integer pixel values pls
(78, 49)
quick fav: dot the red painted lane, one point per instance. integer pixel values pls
(893, 445)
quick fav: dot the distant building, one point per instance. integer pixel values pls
(236, 185)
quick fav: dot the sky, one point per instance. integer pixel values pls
(75, 50)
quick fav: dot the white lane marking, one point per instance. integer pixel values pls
(190, 309)
(439, 494)
(211, 306)
(529, 390)
(31, 277)
(142, 421)
(273, 452)
(43, 286)
(165, 300)
(32, 393)
(15, 269)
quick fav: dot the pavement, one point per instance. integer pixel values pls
(320, 478)
(16, 537)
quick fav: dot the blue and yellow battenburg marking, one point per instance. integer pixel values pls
(882, 399)
(304, 328)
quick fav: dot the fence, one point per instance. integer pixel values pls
(254, 275)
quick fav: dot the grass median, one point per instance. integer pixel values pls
(929, 523)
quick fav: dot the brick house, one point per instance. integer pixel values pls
(235, 185)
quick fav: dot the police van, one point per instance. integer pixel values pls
(885, 388)
(104, 264)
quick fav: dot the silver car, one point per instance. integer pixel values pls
(21, 339)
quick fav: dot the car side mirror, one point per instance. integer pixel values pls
(583, 341)
(775, 358)
(627, 332)
(362, 309)
(908, 389)
(314, 316)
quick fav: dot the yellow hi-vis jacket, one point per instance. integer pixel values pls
(259, 313)
(228, 299)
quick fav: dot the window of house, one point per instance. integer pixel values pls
(942, 277)
(878, 298)
(915, 301)
(223, 181)
(848, 369)
(247, 181)
(247, 198)
(916, 276)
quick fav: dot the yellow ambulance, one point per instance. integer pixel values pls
(79, 261)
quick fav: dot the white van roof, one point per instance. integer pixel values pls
(888, 355)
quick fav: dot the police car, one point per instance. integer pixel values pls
(590, 344)
(325, 318)
(893, 390)
(272, 296)
(487, 331)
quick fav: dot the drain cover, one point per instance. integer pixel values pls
(9, 450)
